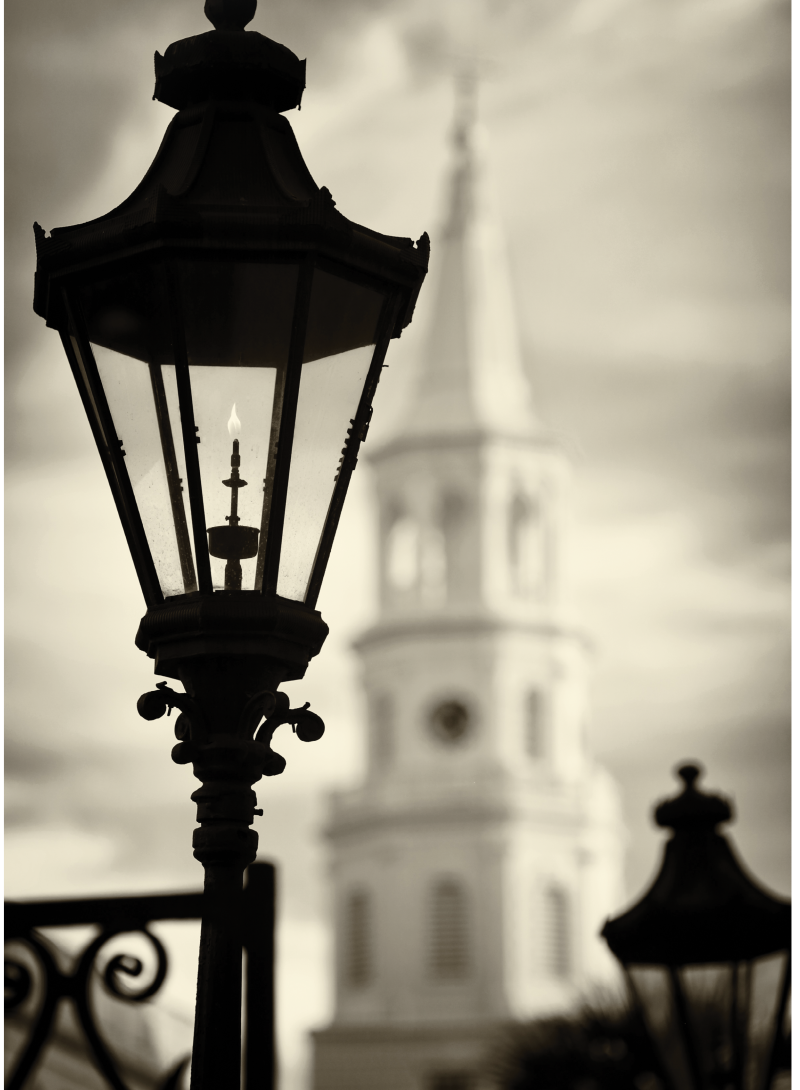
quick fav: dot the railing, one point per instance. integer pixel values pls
(125, 915)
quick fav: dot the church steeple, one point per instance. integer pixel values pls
(472, 378)
(474, 864)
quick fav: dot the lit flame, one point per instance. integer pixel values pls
(234, 424)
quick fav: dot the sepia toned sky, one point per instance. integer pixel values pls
(640, 156)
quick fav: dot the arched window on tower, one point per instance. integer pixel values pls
(433, 566)
(402, 549)
(526, 547)
(555, 933)
(453, 516)
(358, 960)
(536, 725)
(382, 730)
(449, 949)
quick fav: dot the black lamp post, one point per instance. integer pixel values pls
(226, 327)
(706, 954)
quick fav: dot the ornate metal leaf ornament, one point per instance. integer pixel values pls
(191, 726)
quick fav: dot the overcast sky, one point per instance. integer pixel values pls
(640, 151)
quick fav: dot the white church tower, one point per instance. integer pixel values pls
(474, 866)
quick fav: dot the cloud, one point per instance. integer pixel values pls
(712, 439)
(46, 857)
(31, 762)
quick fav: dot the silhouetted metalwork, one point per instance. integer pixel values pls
(132, 915)
(228, 277)
(706, 954)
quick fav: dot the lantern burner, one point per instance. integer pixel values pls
(233, 542)
(234, 482)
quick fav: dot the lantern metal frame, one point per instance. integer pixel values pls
(704, 912)
(217, 81)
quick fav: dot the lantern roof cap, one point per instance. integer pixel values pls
(228, 180)
(229, 63)
(703, 906)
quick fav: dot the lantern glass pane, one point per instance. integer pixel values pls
(329, 393)
(342, 315)
(238, 324)
(234, 403)
(236, 321)
(130, 332)
(143, 400)
(762, 1015)
(652, 988)
(715, 996)
(340, 338)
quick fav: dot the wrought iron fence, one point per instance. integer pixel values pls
(133, 915)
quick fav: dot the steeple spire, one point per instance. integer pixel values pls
(472, 378)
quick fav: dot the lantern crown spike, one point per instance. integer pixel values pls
(230, 14)
(692, 809)
(229, 64)
(689, 774)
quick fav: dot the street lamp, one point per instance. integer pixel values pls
(706, 954)
(226, 327)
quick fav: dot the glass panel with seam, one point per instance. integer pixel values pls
(340, 339)
(709, 997)
(128, 328)
(143, 400)
(238, 323)
(760, 1013)
(651, 985)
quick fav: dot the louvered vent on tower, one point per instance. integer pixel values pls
(555, 933)
(449, 933)
(358, 944)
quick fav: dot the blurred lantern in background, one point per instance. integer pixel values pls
(706, 955)
(226, 327)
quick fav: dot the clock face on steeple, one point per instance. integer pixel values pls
(450, 721)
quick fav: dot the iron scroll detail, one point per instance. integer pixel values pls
(191, 724)
(76, 985)
(36, 974)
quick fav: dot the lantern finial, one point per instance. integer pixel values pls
(230, 14)
(227, 63)
(689, 773)
(692, 809)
